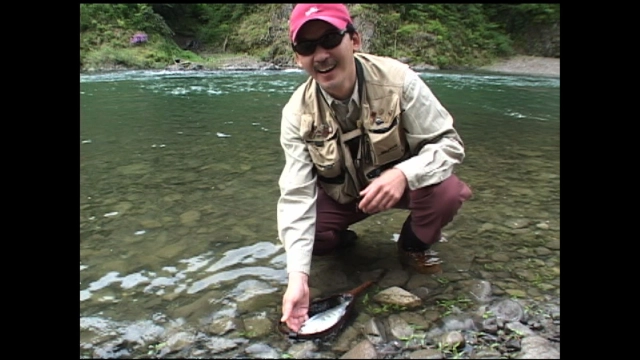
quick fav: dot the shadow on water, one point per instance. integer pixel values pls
(178, 186)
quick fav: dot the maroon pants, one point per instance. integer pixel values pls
(432, 207)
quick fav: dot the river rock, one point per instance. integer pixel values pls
(543, 226)
(480, 290)
(507, 310)
(224, 325)
(490, 325)
(516, 292)
(519, 328)
(150, 223)
(426, 354)
(421, 292)
(375, 331)
(397, 296)
(553, 244)
(537, 347)
(134, 169)
(518, 223)
(525, 274)
(542, 251)
(190, 217)
(487, 354)
(396, 277)
(220, 344)
(262, 351)
(452, 340)
(363, 350)
(500, 257)
(399, 327)
(258, 326)
(302, 350)
(180, 340)
(416, 319)
(344, 341)
(458, 322)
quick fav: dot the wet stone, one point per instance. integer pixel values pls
(542, 251)
(302, 350)
(258, 326)
(519, 328)
(518, 223)
(150, 223)
(543, 226)
(363, 350)
(224, 325)
(500, 257)
(507, 310)
(490, 325)
(512, 344)
(399, 327)
(480, 290)
(180, 340)
(219, 344)
(458, 322)
(416, 319)
(525, 274)
(262, 351)
(421, 292)
(374, 331)
(553, 244)
(426, 354)
(344, 341)
(396, 277)
(487, 354)
(190, 217)
(486, 227)
(452, 340)
(431, 315)
(533, 292)
(397, 296)
(516, 292)
(421, 280)
(537, 347)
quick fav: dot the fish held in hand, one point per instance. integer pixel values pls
(327, 315)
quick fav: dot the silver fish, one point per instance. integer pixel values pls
(324, 320)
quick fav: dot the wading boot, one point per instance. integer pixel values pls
(416, 254)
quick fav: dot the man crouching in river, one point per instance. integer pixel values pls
(362, 135)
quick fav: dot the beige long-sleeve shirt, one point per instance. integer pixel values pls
(427, 123)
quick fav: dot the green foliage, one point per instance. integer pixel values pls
(446, 35)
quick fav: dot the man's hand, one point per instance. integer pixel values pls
(384, 192)
(295, 303)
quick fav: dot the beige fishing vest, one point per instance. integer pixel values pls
(382, 143)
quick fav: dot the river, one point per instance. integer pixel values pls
(179, 253)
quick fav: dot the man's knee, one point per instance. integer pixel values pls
(450, 194)
(440, 202)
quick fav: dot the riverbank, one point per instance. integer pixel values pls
(526, 65)
(517, 65)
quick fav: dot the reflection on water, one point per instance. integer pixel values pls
(177, 223)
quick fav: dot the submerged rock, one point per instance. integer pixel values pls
(398, 296)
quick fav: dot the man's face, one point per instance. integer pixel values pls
(333, 69)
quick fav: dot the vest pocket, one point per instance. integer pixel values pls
(386, 143)
(326, 157)
(341, 188)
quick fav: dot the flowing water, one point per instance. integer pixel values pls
(178, 191)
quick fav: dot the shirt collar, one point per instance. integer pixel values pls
(354, 96)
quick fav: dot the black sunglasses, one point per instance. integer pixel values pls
(327, 41)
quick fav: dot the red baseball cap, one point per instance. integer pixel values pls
(335, 14)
